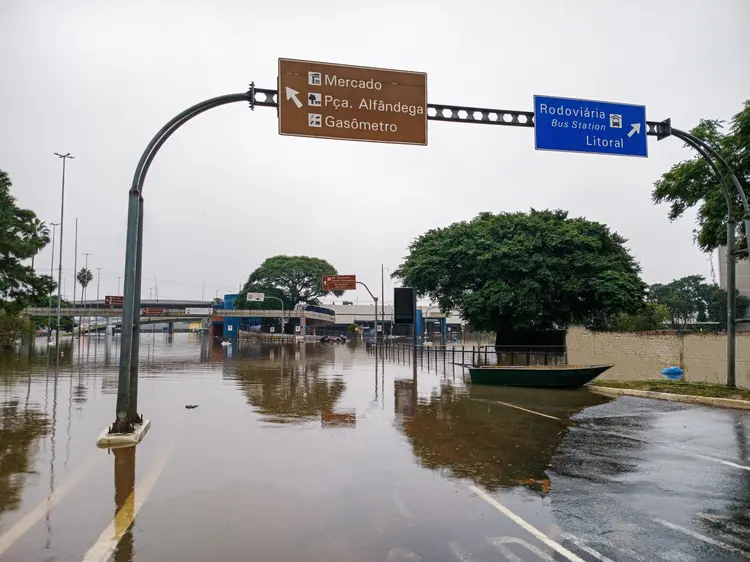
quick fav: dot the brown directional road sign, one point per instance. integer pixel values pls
(339, 282)
(111, 300)
(336, 101)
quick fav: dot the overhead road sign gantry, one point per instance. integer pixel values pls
(596, 127)
(337, 101)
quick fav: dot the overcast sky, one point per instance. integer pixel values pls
(98, 79)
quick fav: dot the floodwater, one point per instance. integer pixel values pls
(323, 453)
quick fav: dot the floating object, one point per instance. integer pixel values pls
(537, 376)
(673, 373)
(191, 406)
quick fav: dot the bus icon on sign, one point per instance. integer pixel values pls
(615, 121)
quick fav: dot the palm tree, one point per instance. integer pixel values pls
(84, 278)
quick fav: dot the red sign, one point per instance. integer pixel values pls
(113, 301)
(151, 311)
(339, 282)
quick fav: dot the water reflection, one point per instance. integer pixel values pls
(285, 383)
(20, 431)
(468, 433)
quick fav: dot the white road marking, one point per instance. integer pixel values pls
(501, 542)
(673, 449)
(725, 523)
(33, 517)
(580, 543)
(525, 525)
(704, 538)
(461, 553)
(518, 408)
(110, 537)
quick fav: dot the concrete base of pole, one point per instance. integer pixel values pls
(107, 440)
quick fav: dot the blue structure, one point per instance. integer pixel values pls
(596, 127)
(231, 324)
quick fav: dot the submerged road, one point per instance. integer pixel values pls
(321, 454)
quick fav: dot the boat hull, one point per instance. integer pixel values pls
(563, 376)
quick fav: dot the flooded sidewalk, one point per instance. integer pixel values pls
(323, 452)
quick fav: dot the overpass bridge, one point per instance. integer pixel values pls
(153, 312)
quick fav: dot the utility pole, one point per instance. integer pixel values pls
(382, 297)
(98, 280)
(84, 294)
(156, 287)
(118, 286)
(203, 291)
(52, 276)
(59, 268)
(75, 266)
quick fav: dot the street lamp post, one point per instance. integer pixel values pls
(85, 295)
(282, 312)
(52, 276)
(59, 269)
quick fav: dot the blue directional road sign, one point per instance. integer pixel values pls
(597, 127)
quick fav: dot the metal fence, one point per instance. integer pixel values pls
(472, 356)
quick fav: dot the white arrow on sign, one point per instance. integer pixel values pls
(291, 94)
(636, 128)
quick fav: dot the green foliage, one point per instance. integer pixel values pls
(84, 277)
(690, 299)
(293, 279)
(352, 328)
(66, 322)
(692, 183)
(15, 328)
(652, 317)
(22, 236)
(525, 272)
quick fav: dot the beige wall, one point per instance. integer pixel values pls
(642, 355)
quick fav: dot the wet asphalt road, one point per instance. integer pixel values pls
(320, 453)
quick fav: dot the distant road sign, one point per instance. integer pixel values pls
(113, 301)
(336, 101)
(151, 311)
(198, 311)
(597, 127)
(256, 297)
(339, 282)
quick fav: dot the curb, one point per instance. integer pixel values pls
(686, 398)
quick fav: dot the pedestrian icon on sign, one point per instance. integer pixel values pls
(314, 120)
(314, 78)
(315, 100)
(615, 121)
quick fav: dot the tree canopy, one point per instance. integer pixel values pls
(22, 236)
(293, 279)
(525, 272)
(692, 183)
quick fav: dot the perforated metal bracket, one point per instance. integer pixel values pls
(480, 115)
(263, 97)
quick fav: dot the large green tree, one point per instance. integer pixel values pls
(522, 273)
(691, 182)
(293, 279)
(22, 236)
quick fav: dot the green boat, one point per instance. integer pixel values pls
(537, 376)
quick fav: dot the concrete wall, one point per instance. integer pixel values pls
(642, 355)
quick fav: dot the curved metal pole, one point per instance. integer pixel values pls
(282, 311)
(128, 370)
(376, 309)
(730, 257)
(735, 182)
